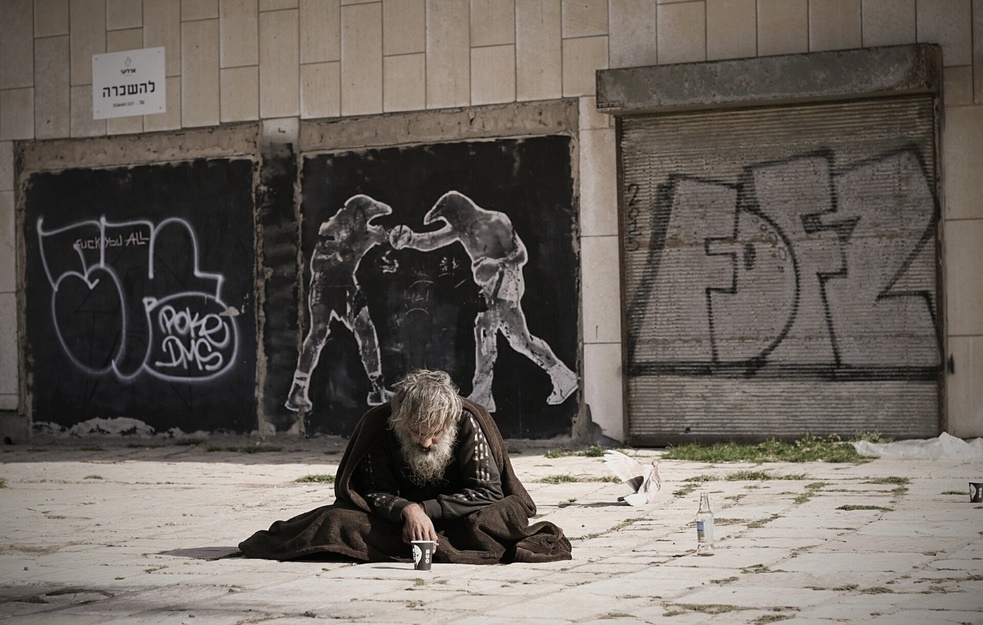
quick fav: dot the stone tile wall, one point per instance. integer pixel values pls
(244, 60)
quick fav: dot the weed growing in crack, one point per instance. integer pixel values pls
(899, 481)
(811, 489)
(762, 522)
(567, 479)
(316, 478)
(700, 478)
(852, 507)
(594, 451)
(726, 521)
(712, 608)
(761, 476)
(770, 618)
(247, 449)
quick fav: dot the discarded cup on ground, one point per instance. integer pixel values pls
(976, 492)
(422, 554)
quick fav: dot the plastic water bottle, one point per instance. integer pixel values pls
(704, 526)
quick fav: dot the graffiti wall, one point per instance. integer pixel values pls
(798, 288)
(781, 273)
(457, 256)
(140, 297)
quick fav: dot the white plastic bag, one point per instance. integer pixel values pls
(945, 447)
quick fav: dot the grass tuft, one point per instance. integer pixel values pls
(566, 478)
(762, 522)
(811, 489)
(711, 608)
(850, 507)
(594, 451)
(760, 476)
(248, 449)
(809, 448)
(700, 478)
(748, 476)
(770, 618)
(321, 478)
(897, 481)
(3, 483)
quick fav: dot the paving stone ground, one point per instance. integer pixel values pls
(135, 532)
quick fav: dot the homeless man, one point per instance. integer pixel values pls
(428, 465)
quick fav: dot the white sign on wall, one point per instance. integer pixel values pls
(128, 83)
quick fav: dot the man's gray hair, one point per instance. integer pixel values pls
(426, 400)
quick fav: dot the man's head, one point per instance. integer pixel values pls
(425, 411)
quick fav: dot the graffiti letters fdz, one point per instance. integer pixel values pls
(792, 271)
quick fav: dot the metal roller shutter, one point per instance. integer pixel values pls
(780, 272)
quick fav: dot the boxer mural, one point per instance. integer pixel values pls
(335, 294)
(497, 256)
(439, 282)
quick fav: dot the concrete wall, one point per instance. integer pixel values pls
(282, 60)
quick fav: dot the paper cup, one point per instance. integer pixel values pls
(422, 554)
(976, 492)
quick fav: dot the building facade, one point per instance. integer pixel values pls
(653, 221)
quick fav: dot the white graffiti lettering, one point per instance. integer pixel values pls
(838, 280)
(98, 243)
(192, 324)
(196, 353)
(191, 340)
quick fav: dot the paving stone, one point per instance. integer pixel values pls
(140, 544)
(928, 617)
(766, 598)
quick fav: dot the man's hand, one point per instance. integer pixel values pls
(417, 525)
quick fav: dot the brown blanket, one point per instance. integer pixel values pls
(498, 533)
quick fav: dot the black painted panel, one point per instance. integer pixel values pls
(424, 304)
(140, 295)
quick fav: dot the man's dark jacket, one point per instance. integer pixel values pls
(497, 533)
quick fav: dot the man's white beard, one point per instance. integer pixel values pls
(427, 466)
